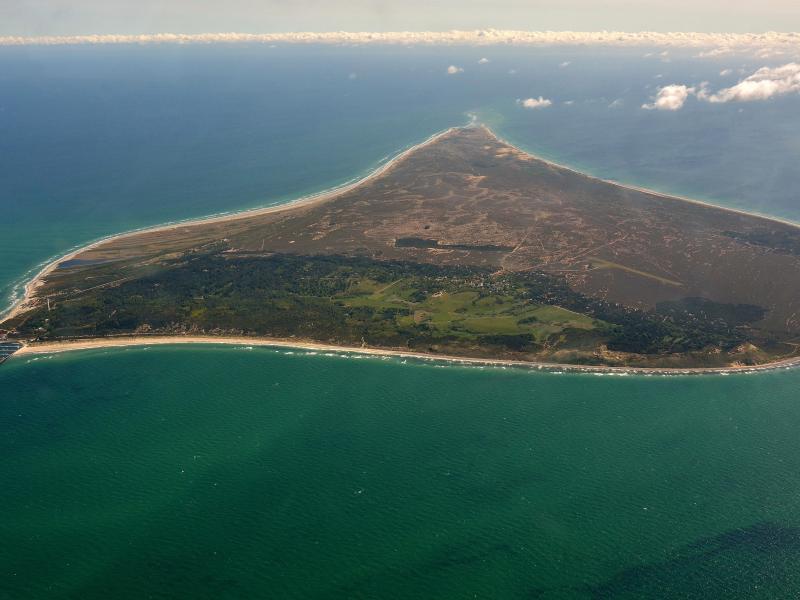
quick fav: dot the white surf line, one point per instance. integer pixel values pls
(125, 341)
(18, 305)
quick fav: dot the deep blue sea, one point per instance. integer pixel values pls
(221, 472)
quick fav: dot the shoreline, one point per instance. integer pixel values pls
(30, 287)
(325, 195)
(308, 200)
(644, 190)
(310, 345)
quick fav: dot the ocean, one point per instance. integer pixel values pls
(223, 472)
(227, 472)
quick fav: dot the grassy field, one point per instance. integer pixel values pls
(467, 313)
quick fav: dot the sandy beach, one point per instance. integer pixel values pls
(312, 346)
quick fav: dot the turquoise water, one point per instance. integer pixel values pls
(218, 472)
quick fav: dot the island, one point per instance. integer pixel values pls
(465, 247)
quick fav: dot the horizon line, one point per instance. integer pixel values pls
(474, 37)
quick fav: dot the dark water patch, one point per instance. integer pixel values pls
(760, 561)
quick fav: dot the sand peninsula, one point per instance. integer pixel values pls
(30, 287)
(461, 248)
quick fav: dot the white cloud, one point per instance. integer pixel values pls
(711, 44)
(512, 71)
(670, 97)
(769, 53)
(565, 64)
(725, 72)
(454, 70)
(569, 102)
(535, 103)
(764, 84)
(616, 103)
(484, 61)
(716, 52)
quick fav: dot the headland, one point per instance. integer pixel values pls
(463, 248)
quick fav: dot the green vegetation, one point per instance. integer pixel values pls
(353, 301)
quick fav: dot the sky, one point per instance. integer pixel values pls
(76, 17)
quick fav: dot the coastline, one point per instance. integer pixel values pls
(308, 200)
(644, 190)
(325, 195)
(127, 340)
(312, 346)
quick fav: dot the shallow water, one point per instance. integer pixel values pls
(225, 472)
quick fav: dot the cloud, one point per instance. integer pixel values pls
(484, 61)
(569, 102)
(670, 97)
(716, 52)
(535, 103)
(766, 83)
(454, 70)
(616, 103)
(769, 53)
(565, 64)
(710, 44)
(725, 72)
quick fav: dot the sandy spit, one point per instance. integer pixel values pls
(122, 341)
(30, 288)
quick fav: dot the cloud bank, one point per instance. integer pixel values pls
(719, 43)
